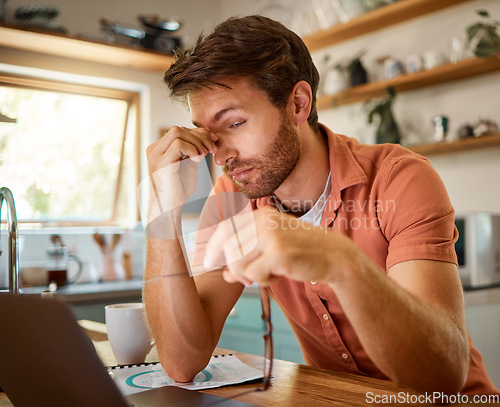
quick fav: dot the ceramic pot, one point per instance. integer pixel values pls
(336, 80)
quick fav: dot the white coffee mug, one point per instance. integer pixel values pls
(128, 333)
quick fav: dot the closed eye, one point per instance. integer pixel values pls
(237, 124)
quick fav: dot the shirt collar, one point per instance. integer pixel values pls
(315, 214)
(345, 170)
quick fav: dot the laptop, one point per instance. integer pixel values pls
(47, 360)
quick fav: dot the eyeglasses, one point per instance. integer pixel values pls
(268, 337)
(266, 317)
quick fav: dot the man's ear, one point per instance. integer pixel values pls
(299, 102)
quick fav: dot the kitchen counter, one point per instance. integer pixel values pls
(87, 301)
(112, 290)
(106, 290)
(480, 296)
(109, 290)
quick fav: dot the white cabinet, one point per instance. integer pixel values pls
(482, 310)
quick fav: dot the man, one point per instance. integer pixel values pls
(355, 243)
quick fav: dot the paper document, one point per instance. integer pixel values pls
(222, 370)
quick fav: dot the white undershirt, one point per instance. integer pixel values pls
(314, 214)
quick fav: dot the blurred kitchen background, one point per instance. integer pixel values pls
(81, 96)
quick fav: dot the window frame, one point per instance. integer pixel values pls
(133, 100)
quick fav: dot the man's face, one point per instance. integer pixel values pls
(258, 147)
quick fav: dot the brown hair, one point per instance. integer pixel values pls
(264, 50)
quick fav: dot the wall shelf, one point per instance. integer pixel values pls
(76, 48)
(467, 144)
(399, 12)
(441, 74)
(392, 14)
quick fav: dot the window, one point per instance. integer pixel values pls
(68, 152)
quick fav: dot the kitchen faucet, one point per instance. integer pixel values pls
(6, 194)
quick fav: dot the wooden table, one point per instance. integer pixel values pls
(299, 385)
(292, 384)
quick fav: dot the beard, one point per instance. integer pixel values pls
(271, 167)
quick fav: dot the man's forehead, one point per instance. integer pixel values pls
(207, 92)
(225, 85)
(212, 103)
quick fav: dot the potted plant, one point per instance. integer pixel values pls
(387, 130)
(482, 37)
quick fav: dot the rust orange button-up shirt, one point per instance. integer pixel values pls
(394, 206)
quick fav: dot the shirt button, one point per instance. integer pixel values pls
(314, 282)
(345, 356)
(325, 317)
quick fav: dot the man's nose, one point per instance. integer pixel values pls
(225, 153)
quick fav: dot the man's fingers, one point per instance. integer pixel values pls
(214, 249)
(232, 278)
(207, 138)
(200, 139)
(180, 149)
(234, 237)
(243, 243)
(260, 270)
(237, 260)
